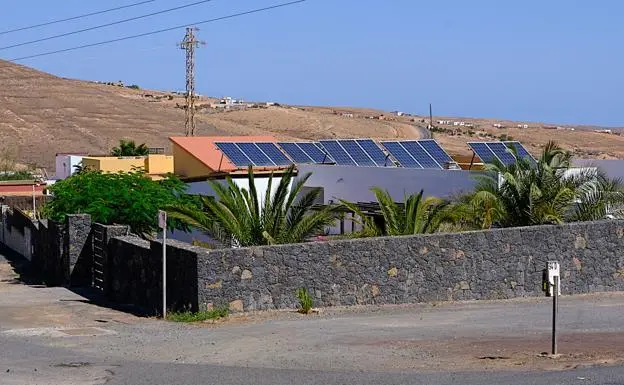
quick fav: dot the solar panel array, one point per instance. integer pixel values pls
(501, 151)
(424, 154)
(246, 154)
(357, 152)
(306, 152)
(418, 153)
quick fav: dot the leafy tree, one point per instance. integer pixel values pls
(129, 148)
(237, 217)
(525, 193)
(416, 215)
(116, 198)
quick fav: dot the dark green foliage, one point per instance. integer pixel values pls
(417, 215)
(546, 193)
(212, 314)
(129, 148)
(305, 301)
(237, 217)
(116, 198)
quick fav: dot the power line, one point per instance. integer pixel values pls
(156, 32)
(104, 25)
(76, 17)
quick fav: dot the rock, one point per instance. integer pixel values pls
(580, 242)
(216, 285)
(236, 270)
(236, 306)
(375, 290)
(393, 272)
(246, 274)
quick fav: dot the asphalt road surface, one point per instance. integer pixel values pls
(52, 336)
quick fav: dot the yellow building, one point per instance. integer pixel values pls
(155, 165)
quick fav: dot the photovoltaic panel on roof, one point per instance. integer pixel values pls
(255, 154)
(400, 154)
(483, 151)
(356, 152)
(235, 155)
(420, 154)
(273, 152)
(521, 151)
(436, 151)
(375, 153)
(502, 152)
(339, 154)
(296, 153)
(315, 151)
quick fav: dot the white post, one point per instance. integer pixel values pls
(34, 202)
(164, 273)
(162, 223)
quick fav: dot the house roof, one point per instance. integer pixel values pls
(204, 149)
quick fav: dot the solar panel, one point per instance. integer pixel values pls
(338, 153)
(419, 153)
(502, 152)
(315, 152)
(436, 151)
(255, 154)
(295, 153)
(401, 155)
(273, 152)
(375, 153)
(235, 155)
(521, 151)
(357, 153)
(483, 151)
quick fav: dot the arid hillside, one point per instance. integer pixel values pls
(41, 115)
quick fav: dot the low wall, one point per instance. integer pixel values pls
(494, 264)
(16, 230)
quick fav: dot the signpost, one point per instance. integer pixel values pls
(554, 289)
(162, 223)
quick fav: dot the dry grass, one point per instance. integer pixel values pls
(41, 115)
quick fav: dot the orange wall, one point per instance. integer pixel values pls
(159, 164)
(187, 165)
(152, 164)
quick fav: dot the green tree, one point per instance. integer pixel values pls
(116, 198)
(237, 217)
(547, 192)
(130, 148)
(416, 215)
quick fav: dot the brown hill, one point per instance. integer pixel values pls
(41, 115)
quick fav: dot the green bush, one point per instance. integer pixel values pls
(215, 313)
(305, 301)
(131, 199)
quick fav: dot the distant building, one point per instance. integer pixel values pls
(66, 164)
(155, 165)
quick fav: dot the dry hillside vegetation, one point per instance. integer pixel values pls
(41, 115)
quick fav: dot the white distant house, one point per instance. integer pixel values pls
(66, 164)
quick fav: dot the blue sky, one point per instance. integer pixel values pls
(559, 61)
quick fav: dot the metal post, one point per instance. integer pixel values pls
(164, 273)
(554, 319)
(34, 202)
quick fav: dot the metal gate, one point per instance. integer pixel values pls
(99, 258)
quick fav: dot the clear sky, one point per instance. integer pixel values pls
(558, 61)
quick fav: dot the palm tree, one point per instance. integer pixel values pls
(129, 148)
(525, 193)
(236, 217)
(416, 215)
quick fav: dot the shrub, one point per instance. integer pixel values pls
(305, 301)
(215, 313)
(116, 198)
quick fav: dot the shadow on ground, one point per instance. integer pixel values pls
(25, 274)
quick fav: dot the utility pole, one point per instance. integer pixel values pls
(430, 117)
(189, 44)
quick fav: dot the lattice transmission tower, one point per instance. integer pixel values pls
(189, 44)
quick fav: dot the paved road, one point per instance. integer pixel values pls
(54, 336)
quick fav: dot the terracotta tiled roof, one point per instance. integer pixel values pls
(203, 148)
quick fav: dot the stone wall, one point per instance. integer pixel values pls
(135, 272)
(16, 231)
(503, 263)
